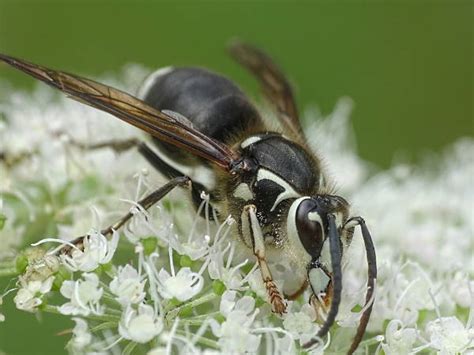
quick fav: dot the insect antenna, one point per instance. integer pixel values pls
(335, 251)
(372, 276)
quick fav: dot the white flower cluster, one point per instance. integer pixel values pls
(173, 282)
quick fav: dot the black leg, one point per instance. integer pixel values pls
(170, 172)
(149, 201)
(154, 159)
(335, 250)
(146, 203)
(372, 276)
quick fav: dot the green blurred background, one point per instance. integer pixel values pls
(408, 65)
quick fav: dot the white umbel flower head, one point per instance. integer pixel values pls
(128, 286)
(29, 296)
(97, 250)
(84, 296)
(140, 325)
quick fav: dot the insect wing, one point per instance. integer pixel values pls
(164, 127)
(274, 84)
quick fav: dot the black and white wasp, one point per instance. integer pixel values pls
(207, 134)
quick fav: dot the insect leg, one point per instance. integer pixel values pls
(150, 200)
(158, 163)
(320, 281)
(372, 276)
(146, 203)
(335, 250)
(252, 227)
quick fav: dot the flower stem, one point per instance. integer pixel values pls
(104, 326)
(202, 340)
(8, 271)
(104, 317)
(170, 315)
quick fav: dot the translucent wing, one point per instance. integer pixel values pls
(274, 84)
(165, 127)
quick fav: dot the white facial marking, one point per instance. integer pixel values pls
(319, 280)
(250, 141)
(292, 232)
(288, 191)
(243, 191)
(315, 217)
(151, 79)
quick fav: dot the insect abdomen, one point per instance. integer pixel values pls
(215, 105)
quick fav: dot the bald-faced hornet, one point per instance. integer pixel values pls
(208, 134)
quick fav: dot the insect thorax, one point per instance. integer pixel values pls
(280, 172)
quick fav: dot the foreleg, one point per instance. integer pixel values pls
(251, 226)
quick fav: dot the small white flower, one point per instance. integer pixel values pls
(40, 266)
(81, 335)
(29, 296)
(256, 284)
(84, 296)
(183, 286)
(301, 324)
(128, 286)
(449, 336)
(235, 334)
(221, 269)
(140, 325)
(399, 340)
(285, 345)
(194, 248)
(459, 289)
(97, 250)
(228, 304)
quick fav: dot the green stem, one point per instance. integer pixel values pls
(198, 301)
(112, 302)
(103, 318)
(7, 264)
(129, 348)
(369, 342)
(8, 271)
(191, 321)
(204, 341)
(201, 317)
(103, 326)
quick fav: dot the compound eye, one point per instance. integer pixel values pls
(309, 227)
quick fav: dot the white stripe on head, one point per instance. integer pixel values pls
(288, 191)
(250, 141)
